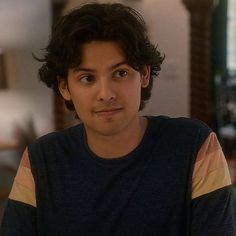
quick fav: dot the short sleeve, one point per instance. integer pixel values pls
(213, 198)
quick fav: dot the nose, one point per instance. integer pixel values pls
(106, 90)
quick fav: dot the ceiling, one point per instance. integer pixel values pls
(24, 23)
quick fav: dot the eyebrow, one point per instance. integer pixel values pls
(92, 70)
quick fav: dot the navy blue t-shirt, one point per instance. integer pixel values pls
(175, 183)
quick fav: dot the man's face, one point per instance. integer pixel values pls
(104, 89)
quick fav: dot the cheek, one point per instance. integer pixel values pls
(82, 109)
(80, 102)
(133, 95)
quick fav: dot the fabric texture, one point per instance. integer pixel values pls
(175, 183)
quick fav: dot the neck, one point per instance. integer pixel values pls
(119, 144)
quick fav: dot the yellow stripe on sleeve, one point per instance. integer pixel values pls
(22, 194)
(211, 169)
(23, 188)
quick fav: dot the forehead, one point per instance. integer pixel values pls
(101, 53)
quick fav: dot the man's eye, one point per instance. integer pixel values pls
(86, 79)
(121, 73)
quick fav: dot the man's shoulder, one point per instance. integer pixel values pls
(180, 122)
(181, 134)
(183, 129)
(62, 136)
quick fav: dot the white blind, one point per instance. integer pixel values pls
(231, 35)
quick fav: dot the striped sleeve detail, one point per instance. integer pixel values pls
(211, 169)
(23, 189)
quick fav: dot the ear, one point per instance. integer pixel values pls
(63, 88)
(145, 76)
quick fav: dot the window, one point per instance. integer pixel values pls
(231, 36)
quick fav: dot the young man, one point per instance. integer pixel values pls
(117, 173)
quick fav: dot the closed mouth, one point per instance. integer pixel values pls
(110, 111)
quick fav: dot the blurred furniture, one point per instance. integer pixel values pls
(8, 167)
(3, 80)
(201, 104)
(226, 112)
(7, 146)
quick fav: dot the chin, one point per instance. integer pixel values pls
(109, 131)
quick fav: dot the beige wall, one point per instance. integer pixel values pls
(168, 24)
(27, 24)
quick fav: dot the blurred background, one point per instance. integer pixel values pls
(198, 79)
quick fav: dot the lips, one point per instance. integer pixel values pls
(108, 112)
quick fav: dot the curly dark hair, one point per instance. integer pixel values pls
(105, 22)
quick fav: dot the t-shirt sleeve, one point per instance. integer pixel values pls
(213, 197)
(20, 212)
